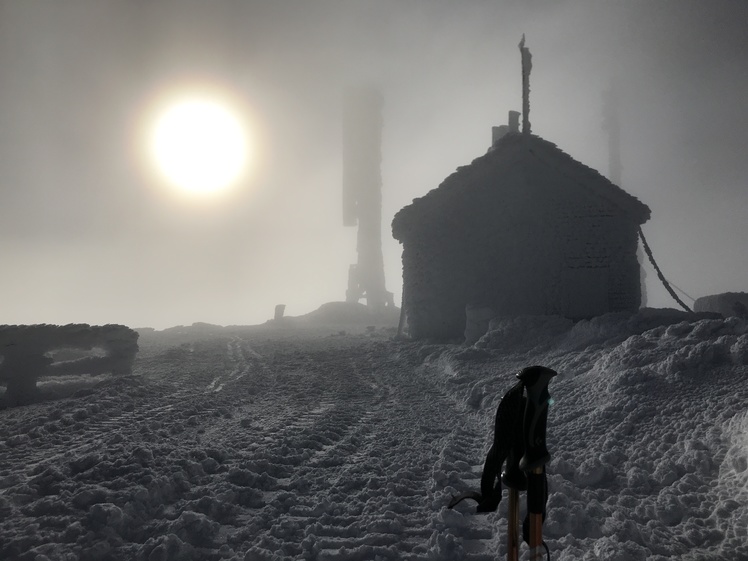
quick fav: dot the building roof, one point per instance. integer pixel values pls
(515, 158)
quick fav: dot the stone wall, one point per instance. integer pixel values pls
(596, 266)
(575, 258)
(433, 293)
(625, 286)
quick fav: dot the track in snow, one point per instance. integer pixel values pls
(238, 446)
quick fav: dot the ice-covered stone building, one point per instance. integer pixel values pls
(524, 229)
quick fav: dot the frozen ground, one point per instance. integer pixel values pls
(259, 444)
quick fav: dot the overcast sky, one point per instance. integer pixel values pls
(88, 235)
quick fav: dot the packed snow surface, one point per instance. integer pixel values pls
(262, 444)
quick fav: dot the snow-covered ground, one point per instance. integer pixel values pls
(262, 444)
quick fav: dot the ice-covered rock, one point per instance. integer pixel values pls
(28, 353)
(728, 304)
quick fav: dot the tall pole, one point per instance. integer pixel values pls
(526, 68)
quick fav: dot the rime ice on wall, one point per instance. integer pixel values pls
(25, 350)
(524, 229)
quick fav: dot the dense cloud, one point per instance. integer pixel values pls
(90, 235)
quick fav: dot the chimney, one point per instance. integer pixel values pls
(514, 121)
(497, 133)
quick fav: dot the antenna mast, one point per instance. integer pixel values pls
(362, 194)
(526, 68)
(612, 126)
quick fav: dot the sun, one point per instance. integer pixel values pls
(199, 145)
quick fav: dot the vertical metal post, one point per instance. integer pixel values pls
(535, 506)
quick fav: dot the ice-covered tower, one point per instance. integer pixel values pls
(612, 127)
(362, 193)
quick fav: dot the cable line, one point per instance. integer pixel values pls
(664, 281)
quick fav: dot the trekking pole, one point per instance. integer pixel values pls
(512, 539)
(515, 480)
(519, 440)
(535, 380)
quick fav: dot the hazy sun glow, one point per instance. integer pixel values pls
(199, 145)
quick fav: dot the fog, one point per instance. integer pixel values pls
(89, 234)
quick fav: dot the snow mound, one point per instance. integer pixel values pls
(343, 314)
(538, 334)
(727, 304)
(524, 334)
(679, 350)
(647, 431)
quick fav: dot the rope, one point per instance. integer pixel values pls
(664, 281)
(683, 292)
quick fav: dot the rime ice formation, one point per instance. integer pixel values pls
(727, 304)
(362, 194)
(258, 443)
(26, 352)
(523, 229)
